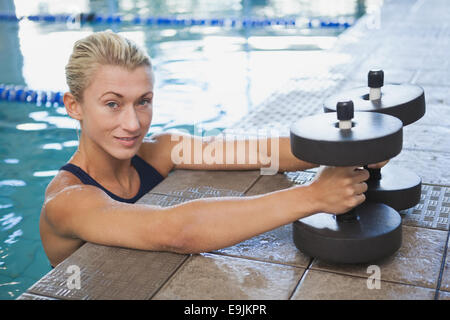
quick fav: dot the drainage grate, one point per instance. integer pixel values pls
(433, 210)
(300, 177)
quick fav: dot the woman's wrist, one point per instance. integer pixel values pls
(303, 199)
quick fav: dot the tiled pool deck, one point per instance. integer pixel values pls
(410, 40)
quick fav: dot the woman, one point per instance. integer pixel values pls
(93, 196)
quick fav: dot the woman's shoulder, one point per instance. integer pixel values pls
(64, 188)
(62, 180)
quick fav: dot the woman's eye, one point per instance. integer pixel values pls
(145, 102)
(112, 105)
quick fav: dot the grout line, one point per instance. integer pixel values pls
(170, 277)
(441, 272)
(419, 227)
(426, 150)
(436, 185)
(246, 190)
(301, 278)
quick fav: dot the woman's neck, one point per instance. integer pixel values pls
(102, 166)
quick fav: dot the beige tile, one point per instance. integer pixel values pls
(194, 184)
(273, 246)
(279, 181)
(319, 285)
(431, 167)
(109, 273)
(430, 138)
(269, 183)
(418, 261)
(210, 276)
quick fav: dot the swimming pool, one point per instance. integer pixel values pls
(207, 77)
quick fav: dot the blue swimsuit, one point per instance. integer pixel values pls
(148, 175)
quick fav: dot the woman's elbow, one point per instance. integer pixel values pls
(173, 236)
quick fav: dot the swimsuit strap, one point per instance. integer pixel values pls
(149, 178)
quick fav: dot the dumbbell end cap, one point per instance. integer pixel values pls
(345, 110)
(375, 78)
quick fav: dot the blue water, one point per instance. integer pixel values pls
(208, 77)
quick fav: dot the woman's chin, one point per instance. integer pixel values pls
(124, 153)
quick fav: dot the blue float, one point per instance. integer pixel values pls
(138, 20)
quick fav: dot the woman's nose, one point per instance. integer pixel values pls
(130, 119)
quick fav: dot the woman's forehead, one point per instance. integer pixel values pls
(122, 80)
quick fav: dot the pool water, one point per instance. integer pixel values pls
(207, 78)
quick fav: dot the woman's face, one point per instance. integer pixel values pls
(117, 109)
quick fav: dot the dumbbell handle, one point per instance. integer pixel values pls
(374, 93)
(375, 174)
(348, 216)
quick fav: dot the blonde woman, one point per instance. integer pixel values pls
(93, 196)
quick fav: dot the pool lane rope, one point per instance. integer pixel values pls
(340, 22)
(16, 93)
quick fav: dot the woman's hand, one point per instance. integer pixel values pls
(339, 189)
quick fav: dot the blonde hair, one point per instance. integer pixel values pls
(101, 48)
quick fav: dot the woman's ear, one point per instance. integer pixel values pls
(73, 107)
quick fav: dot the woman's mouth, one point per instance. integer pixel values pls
(127, 141)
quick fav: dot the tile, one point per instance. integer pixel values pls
(109, 273)
(117, 277)
(210, 276)
(432, 167)
(436, 77)
(300, 98)
(429, 138)
(194, 184)
(269, 183)
(274, 246)
(436, 94)
(435, 114)
(417, 262)
(318, 285)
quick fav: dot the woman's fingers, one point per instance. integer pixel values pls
(360, 188)
(360, 198)
(360, 175)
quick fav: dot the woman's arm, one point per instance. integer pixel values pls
(198, 225)
(185, 151)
